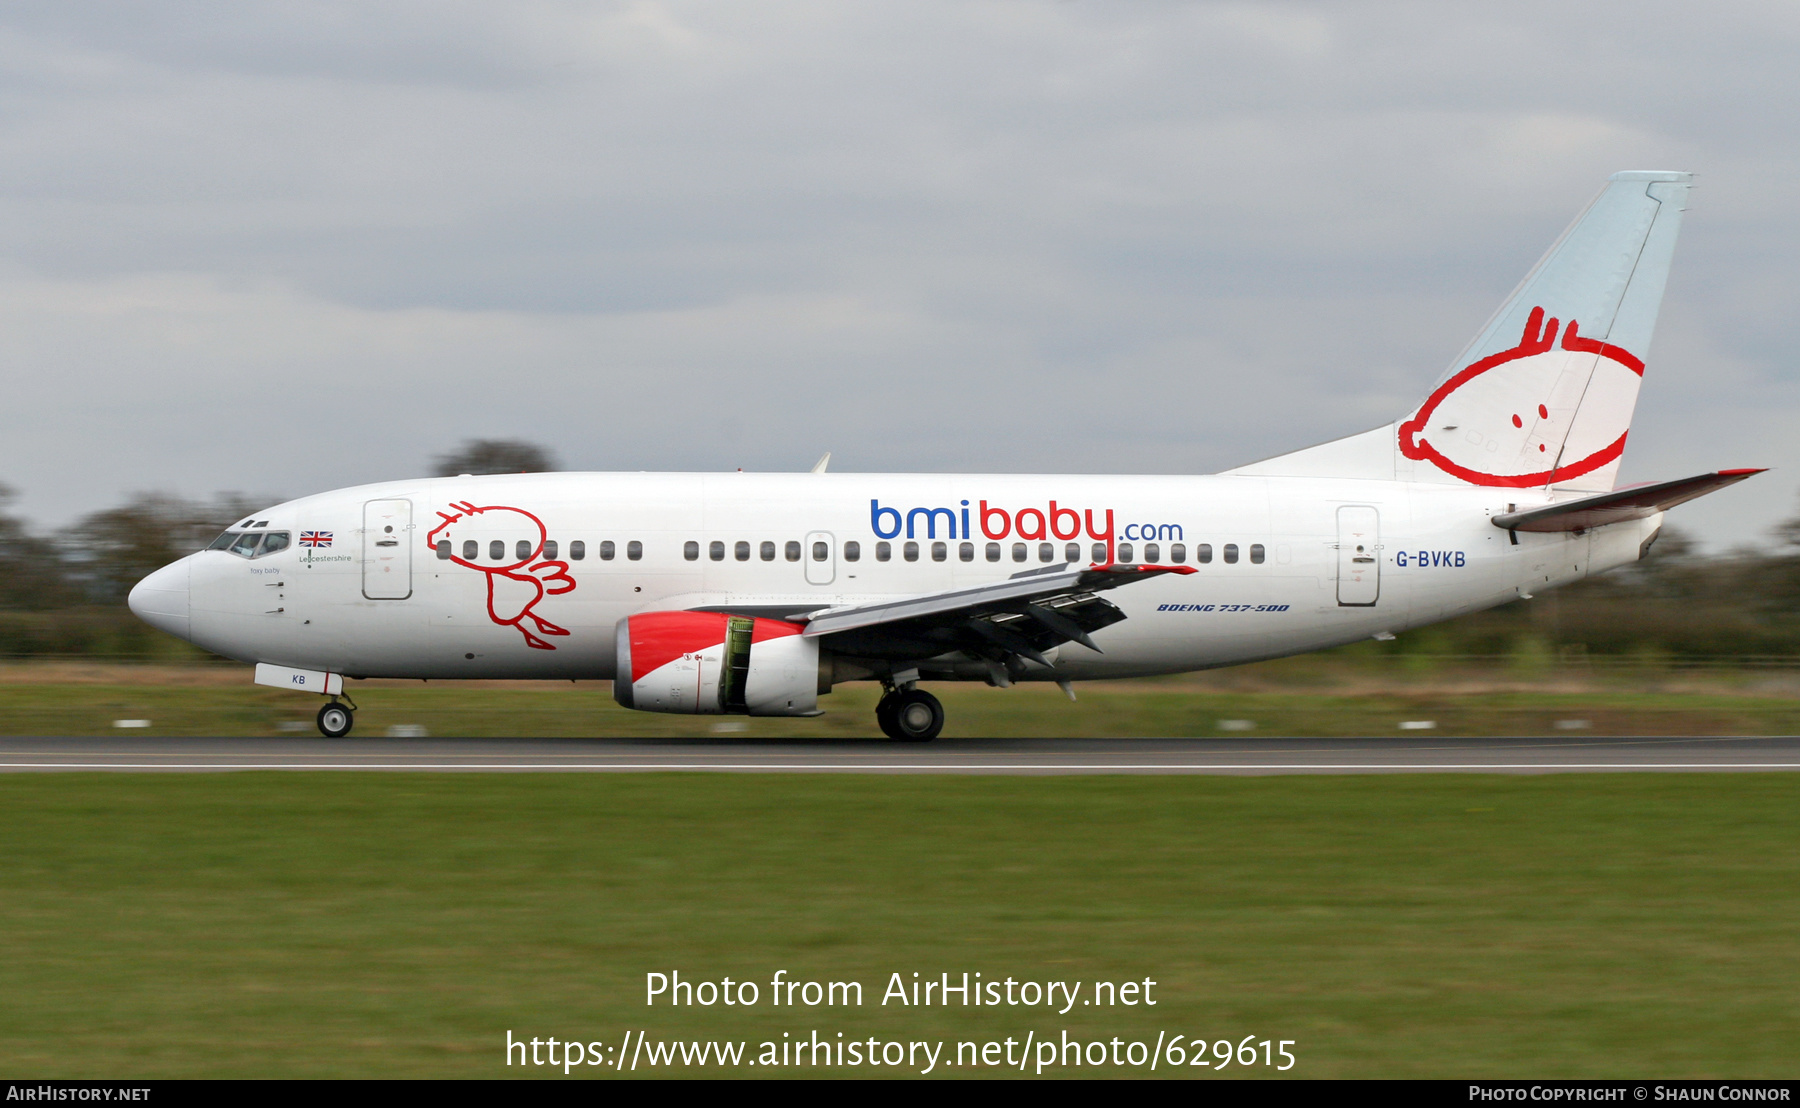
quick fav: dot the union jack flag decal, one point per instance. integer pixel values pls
(315, 538)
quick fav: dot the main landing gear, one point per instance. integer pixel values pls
(336, 719)
(910, 715)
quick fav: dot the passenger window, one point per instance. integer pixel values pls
(741, 551)
(966, 551)
(792, 552)
(910, 551)
(883, 551)
(767, 552)
(1203, 553)
(690, 550)
(224, 541)
(607, 550)
(550, 548)
(715, 550)
(497, 550)
(1046, 551)
(471, 550)
(635, 550)
(245, 545)
(443, 550)
(852, 550)
(821, 551)
(1152, 552)
(522, 550)
(1072, 552)
(1019, 552)
(1100, 553)
(993, 551)
(1256, 553)
(939, 551)
(273, 541)
(578, 550)
(1231, 553)
(1178, 552)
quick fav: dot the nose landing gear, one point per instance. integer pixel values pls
(336, 719)
(910, 715)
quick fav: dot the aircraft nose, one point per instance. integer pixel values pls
(161, 599)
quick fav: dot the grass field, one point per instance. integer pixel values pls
(1307, 697)
(262, 924)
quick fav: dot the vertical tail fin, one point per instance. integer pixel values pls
(1544, 395)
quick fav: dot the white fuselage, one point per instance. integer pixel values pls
(393, 603)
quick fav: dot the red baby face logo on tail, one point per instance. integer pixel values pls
(1538, 413)
(515, 583)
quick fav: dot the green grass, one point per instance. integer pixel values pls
(543, 709)
(266, 924)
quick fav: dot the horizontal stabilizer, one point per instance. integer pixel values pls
(1636, 502)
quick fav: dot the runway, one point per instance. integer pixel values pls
(968, 756)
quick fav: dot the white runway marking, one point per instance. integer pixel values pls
(1031, 756)
(1075, 767)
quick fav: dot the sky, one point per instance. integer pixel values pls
(282, 247)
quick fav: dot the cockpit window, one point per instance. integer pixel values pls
(252, 544)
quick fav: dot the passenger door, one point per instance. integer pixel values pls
(1359, 556)
(387, 549)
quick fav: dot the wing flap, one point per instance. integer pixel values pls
(1054, 581)
(1635, 502)
(1022, 617)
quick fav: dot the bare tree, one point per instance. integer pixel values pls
(32, 576)
(495, 456)
(110, 551)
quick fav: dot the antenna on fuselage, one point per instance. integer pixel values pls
(824, 460)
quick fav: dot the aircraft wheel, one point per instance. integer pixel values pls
(335, 720)
(918, 716)
(884, 716)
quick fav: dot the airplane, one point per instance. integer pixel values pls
(757, 593)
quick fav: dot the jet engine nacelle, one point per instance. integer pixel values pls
(710, 663)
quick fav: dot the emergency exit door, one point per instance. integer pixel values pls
(820, 553)
(387, 549)
(1358, 556)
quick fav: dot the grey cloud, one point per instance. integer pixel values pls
(1063, 236)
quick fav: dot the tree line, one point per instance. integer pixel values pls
(63, 592)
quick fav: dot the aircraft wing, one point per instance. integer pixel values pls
(1634, 502)
(1020, 617)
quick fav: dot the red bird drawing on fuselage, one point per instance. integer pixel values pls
(515, 585)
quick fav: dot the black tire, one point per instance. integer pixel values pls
(335, 720)
(918, 716)
(884, 716)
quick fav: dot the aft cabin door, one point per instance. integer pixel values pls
(1358, 556)
(387, 549)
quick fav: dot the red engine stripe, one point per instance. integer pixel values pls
(658, 638)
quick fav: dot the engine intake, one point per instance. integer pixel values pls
(711, 663)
